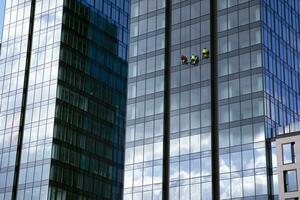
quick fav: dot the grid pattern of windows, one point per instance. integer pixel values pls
(90, 115)
(12, 70)
(242, 159)
(190, 122)
(280, 57)
(40, 105)
(247, 105)
(258, 80)
(74, 125)
(144, 131)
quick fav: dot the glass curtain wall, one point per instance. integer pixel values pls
(190, 110)
(281, 58)
(88, 140)
(144, 131)
(73, 137)
(258, 83)
(12, 71)
(40, 105)
(242, 147)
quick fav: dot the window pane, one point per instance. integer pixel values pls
(288, 153)
(234, 111)
(245, 61)
(223, 67)
(249, 186)
(225, 189)
(224, 163)
(224, 138)
(244, 39)
(223, 90)
(290, 181)
(255, 36)
(246, 109)
(195, 97)
(222, 4)
(258, 108)
(135, 10)
(244, 16)
(232, 20)
(248, 160)
(247, 134)
(234, 88)
(205, 94)
(245, 85)
(257, 83)
(195, 119)
(222, 23)
(254, 13)
(222, 45)
(236, 161)
(232, 42)
(235, 136)
(223, 114)
(233, 64)
(134, 29)
(255, 59)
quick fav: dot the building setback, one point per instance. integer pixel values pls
(63, 76)
(210, 86)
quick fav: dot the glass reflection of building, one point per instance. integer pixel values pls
(63, 75)
(253, 74)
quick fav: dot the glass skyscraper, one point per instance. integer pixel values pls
(205, 128)
(63, 79)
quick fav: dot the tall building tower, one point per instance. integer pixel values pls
(63, 75)
(211, 84)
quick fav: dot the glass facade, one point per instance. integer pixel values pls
(144, 138)
(12, 70)
(63, 78)
(281, 57)
(190, 102)
(257, 55)
(41, 98)
(242, 148)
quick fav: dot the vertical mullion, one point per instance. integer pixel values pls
(166, 126)
(214, 101)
